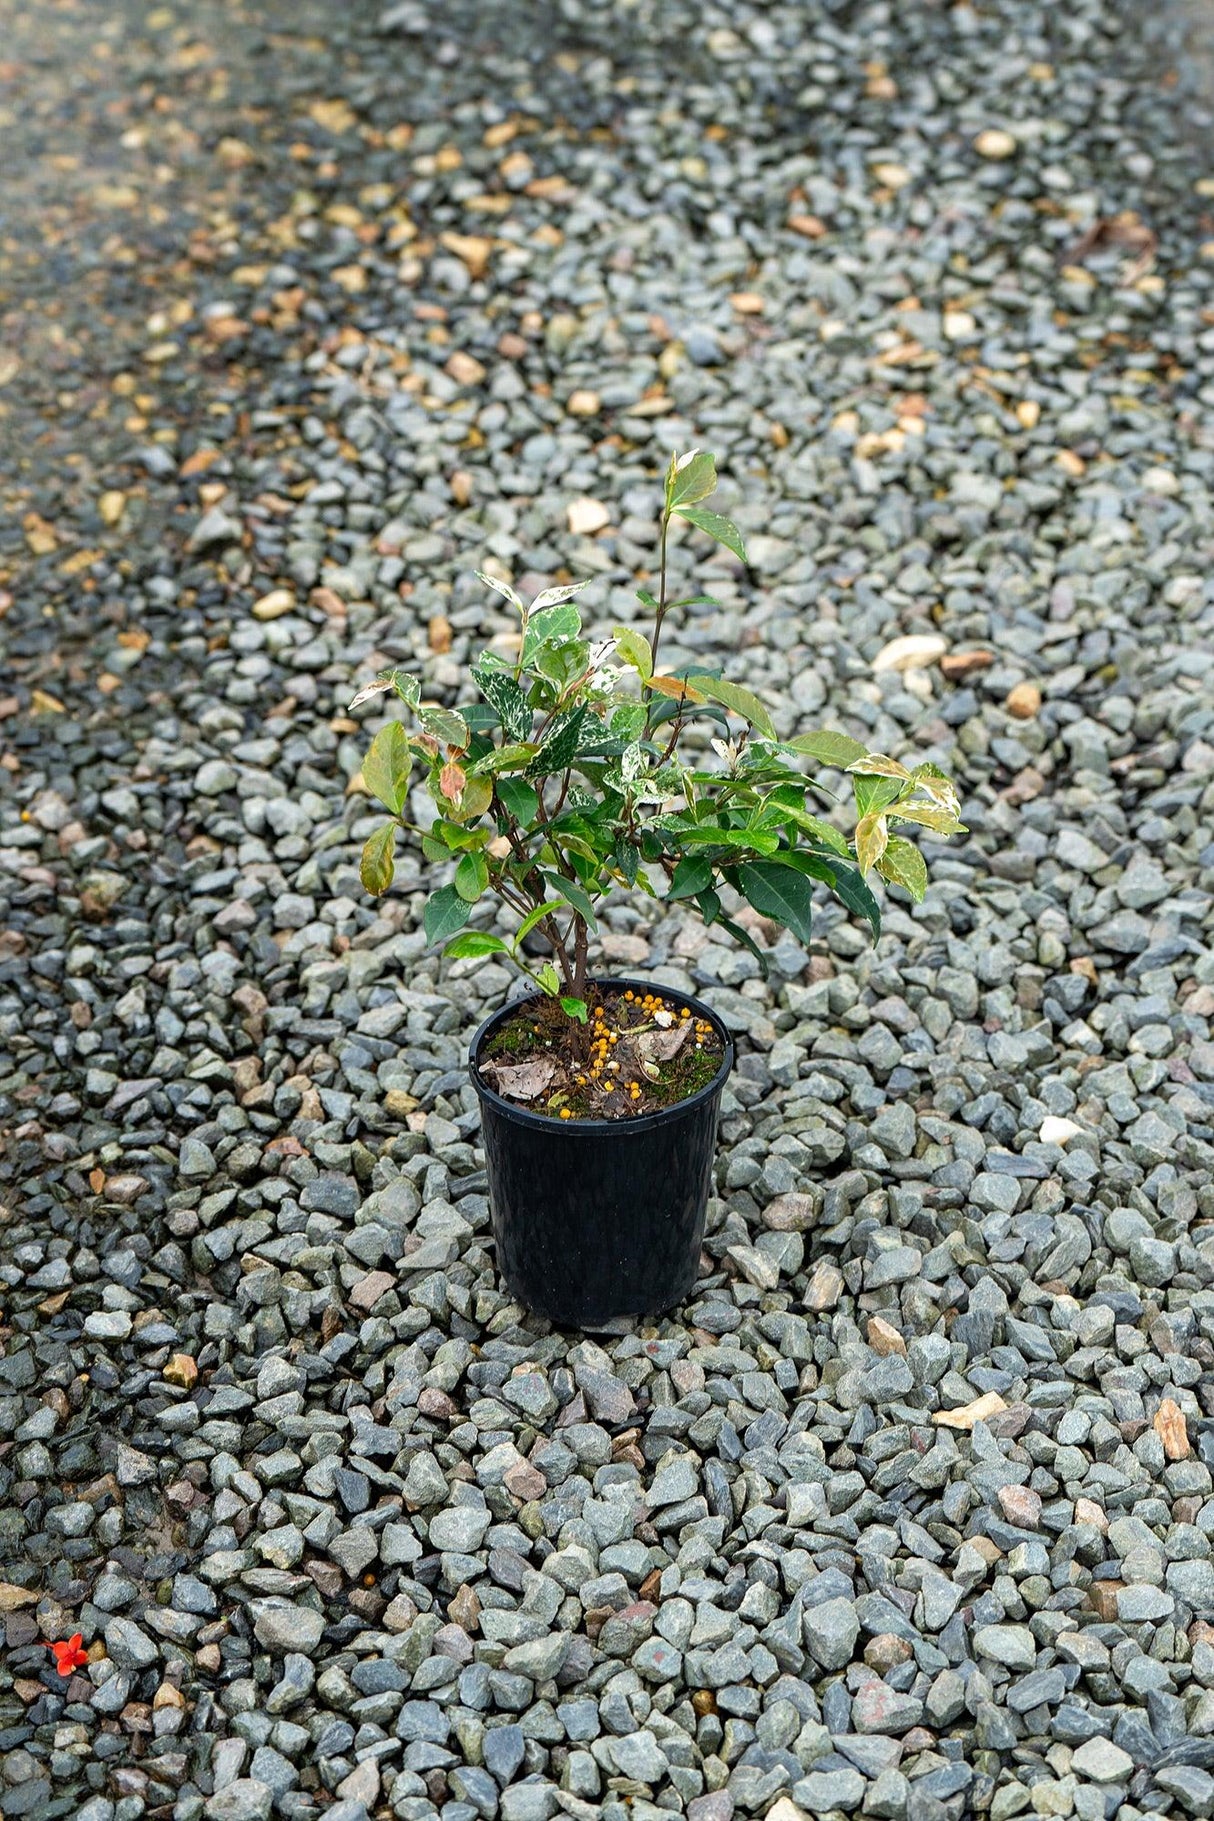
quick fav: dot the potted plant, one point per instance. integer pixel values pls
(568, 779)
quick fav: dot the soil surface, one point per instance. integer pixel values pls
(636, 1053)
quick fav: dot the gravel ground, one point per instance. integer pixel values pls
(909, 1510)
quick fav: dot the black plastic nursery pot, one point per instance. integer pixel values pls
(597, 1218)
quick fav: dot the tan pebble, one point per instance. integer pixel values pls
(988, 1405)
(884, 1338)
(1172, 1429)
(1023, 701)
(273, 605)
(464, 369)
(994, 143)
(182, 1370)
(962, 663)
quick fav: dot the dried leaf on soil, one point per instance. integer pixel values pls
(521, 1080)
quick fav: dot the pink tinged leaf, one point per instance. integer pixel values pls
(452, 780)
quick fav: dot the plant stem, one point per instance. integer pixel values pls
(660, 615)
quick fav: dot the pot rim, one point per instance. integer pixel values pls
(596, 1128)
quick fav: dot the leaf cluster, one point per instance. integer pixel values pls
(568, 777)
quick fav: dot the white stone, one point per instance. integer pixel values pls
(586, 516)
(913, 652)
(1058, 1131)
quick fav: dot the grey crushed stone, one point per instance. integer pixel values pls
(355, 1534)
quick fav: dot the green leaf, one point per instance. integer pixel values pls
(475, 799)
(717, 526)
(563, 664)
(574, 896)
(902, 864)
(828, 747)
(627, 722)
(709, 905)
(445, 913)
(387, 766)
(746, 939)
(471, 877)
(501, 690)
(474, 943)
(444, 724)
(872, 833)
(692, 876)
(456, 839)
(534, 916)
(550, 626)
(520, 800)
(738, 700)
(822, 832)
(561, 747)
(376, 866)
(576, 1008)
(626, 858)
(506, 758)
(633, 647)
(647, 599)
(548, 980)
(875, 794)
(757, 840)
(694, 478)
(851, 890)
(780, 892)
(812, 865)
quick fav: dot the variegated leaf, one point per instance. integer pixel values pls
(499, 587)
(872, 834)
(368, 690)
(927, 815)
(877, 765)
(902, 864)
(552, 597)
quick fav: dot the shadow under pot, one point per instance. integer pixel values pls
(599, 1218)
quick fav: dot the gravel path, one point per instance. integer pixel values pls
(909, 1511)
